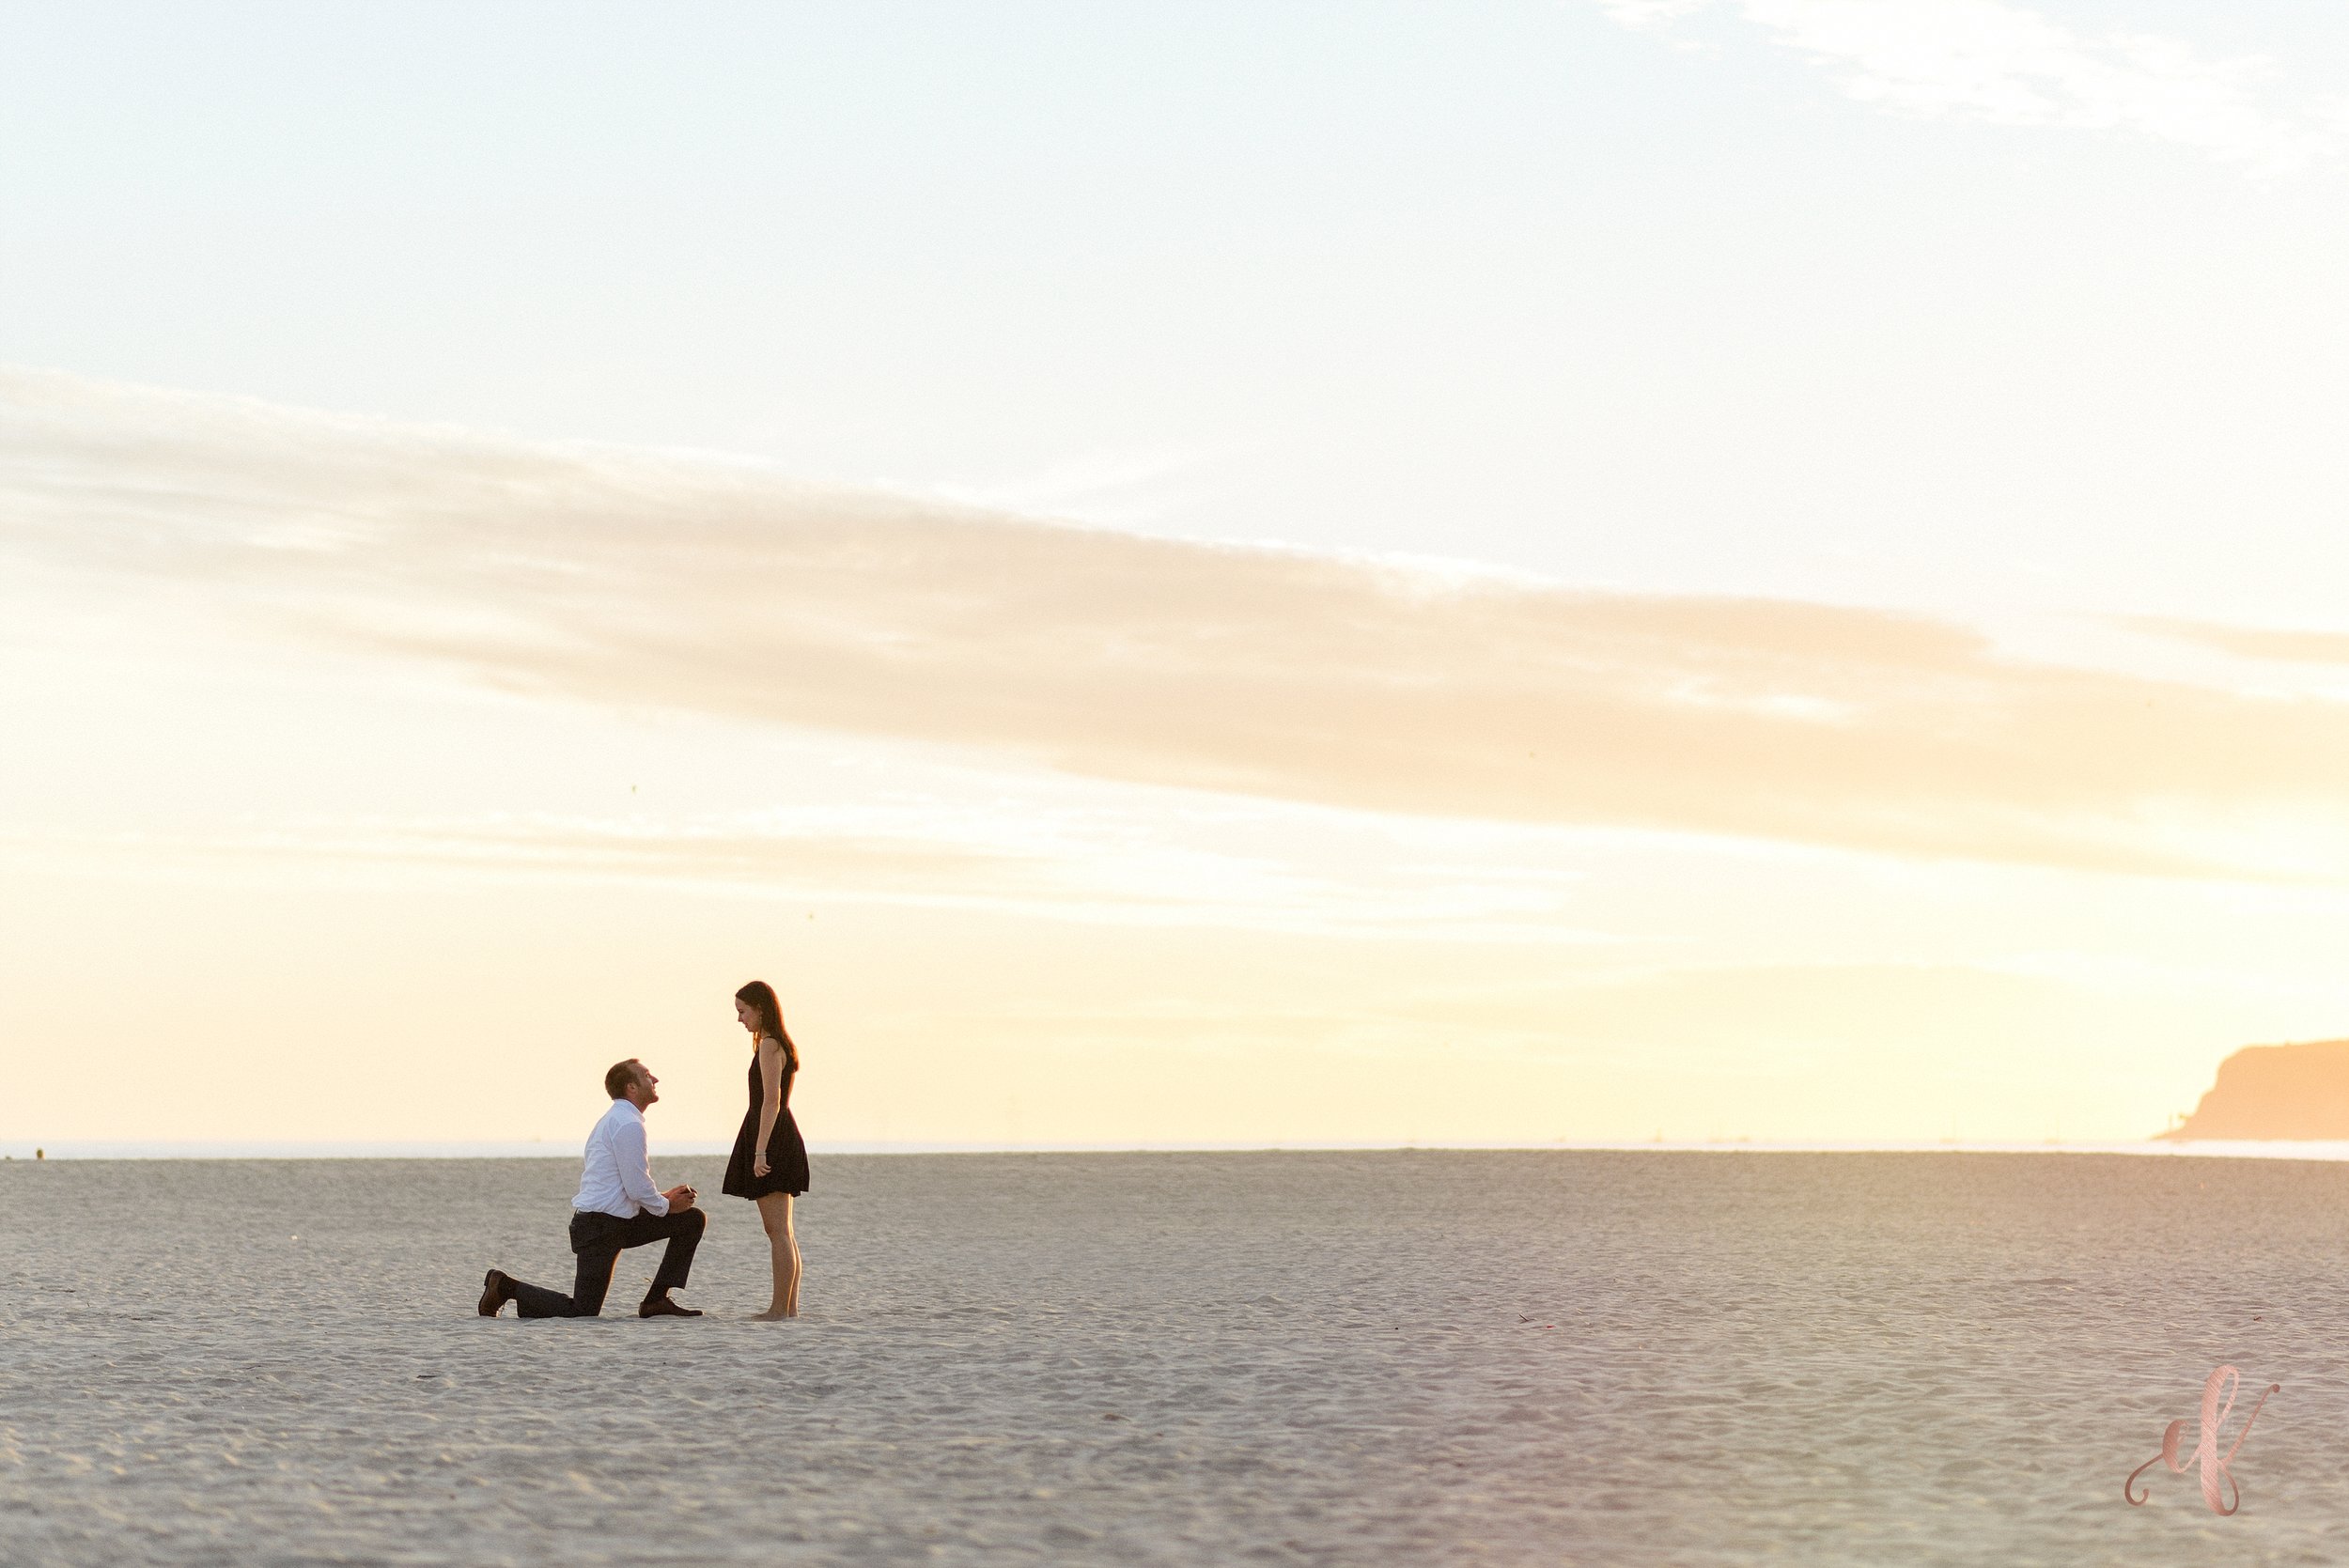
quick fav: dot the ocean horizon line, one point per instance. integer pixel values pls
(151, 1149)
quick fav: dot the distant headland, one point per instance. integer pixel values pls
(2276, 1091)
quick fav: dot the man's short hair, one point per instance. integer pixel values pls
(620, 1076)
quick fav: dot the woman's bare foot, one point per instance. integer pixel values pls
(769, 1315)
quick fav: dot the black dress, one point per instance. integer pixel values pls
(787, 1156)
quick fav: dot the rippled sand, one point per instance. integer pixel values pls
(1596, 1357)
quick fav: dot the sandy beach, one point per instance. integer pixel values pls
(1594, 1358)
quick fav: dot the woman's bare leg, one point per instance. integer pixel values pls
(782, 1248)
(791, 1237)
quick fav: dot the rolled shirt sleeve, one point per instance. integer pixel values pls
(631, 1154)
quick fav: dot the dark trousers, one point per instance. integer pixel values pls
(600, 1239)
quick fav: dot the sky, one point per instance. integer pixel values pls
(1614, 570)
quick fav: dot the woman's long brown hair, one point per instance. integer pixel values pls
(762, 996)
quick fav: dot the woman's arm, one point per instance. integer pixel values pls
(769, 1098)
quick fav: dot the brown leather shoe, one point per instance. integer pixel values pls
(660, 1306)
(496, 1291)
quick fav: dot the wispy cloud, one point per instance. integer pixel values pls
(1100, 867)
(1650, 13)
(2009, 65)
(1118, 489)
(664, 585)
(2246, 642)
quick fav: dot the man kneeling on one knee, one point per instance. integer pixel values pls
(618, 1207)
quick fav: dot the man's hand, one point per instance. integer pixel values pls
(680, 1198)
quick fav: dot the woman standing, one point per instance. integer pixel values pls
(769, 1163)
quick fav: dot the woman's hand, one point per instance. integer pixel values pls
(758, 1163)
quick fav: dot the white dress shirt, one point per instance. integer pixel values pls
(617, 1177)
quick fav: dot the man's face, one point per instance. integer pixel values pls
(646, 1087)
